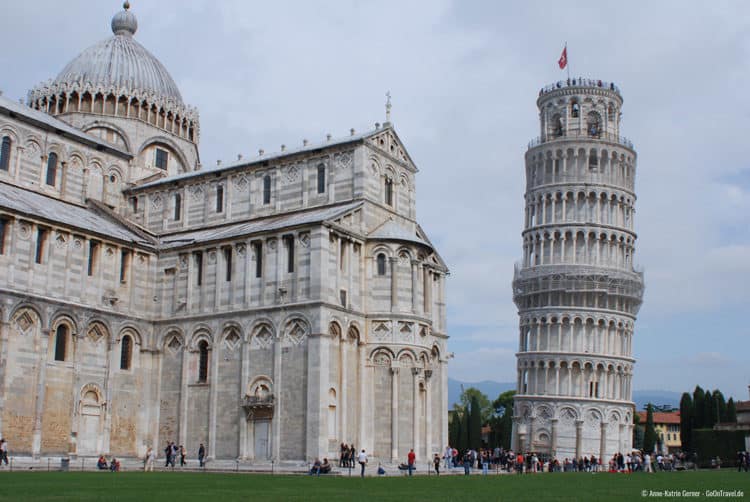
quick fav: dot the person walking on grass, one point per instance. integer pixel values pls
(436, 462)
(362, 459)
(411, 460)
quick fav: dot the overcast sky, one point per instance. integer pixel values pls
(464, 77)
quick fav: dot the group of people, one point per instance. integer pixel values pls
(319, 467)
(347, 455)
(172, 451)
(114, 464)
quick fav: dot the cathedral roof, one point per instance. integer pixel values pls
(257, 225)
(54, 210)
(49, 123)
(392, 231)
(120, 62)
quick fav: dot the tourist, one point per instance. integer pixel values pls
(201, 455)
(3, 451)
(485, 461)
(148, 464)
(351, 456)
(467, 462)
(411, 459)
(448, 457)
(647, 463)
(315, 467)
(183, 454)
(114, 465)
(325, 466)
(362, 459)
(343, 454)
(168, 455)
(101, 464)
(436, 462)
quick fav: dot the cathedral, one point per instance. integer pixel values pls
(270, 308)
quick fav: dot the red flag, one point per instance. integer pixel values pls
(563, 62)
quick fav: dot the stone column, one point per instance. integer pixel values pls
(603, 443)
(342, 397)
(579, 437)
(213, 392)
(428, 413)
(41, 341)
(242, 417)
(414, 281)
(394, 414)
(427, 290)
(415, 409)
(184, 399)
(277, 383)
(4, 336)
(553, 445)
(318, 361)
(363, 395)
(394, 283)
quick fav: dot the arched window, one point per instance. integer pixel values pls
(219, 198)
(611, 113)
(321, 178)
(593, 124)
(593, 160)
(381, 264)
(177, 207)
(574, 108)
(389, 191)
(5, 154)
(126, 352)
(61, 342)
(203, 361)
(266, 189)
(51, 169)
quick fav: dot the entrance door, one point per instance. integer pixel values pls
(88, 435)
(262, 451)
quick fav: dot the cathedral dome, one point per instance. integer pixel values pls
(120, 63)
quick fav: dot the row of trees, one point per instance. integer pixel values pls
(703, 410)
(475, 410)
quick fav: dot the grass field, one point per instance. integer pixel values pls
(207, 487)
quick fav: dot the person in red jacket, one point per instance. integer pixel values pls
(411, 460)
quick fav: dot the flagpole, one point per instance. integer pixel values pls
(567, 60)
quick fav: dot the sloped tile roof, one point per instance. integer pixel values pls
(59, 212)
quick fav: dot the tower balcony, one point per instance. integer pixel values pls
(573, 279)
(580, 82)
(576, 135)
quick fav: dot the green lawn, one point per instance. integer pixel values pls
(207, 487)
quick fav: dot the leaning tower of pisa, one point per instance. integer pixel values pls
(576, 289)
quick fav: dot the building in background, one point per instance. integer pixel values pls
(576, 289)
(271, 308)
(667, 426)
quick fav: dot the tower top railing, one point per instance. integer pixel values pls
(577, 135)
(580, 82)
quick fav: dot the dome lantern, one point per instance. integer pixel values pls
(124, 22)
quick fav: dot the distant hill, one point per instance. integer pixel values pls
(489, 388)
(656, 397)
(493, 389)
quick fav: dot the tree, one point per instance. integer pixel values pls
(731, 411)
(649, 436)
(637, 432)
(709, 410)
(686, 422)
(463, 437)
(484, 402)
(454, 427)
(502, 423)
(720, 406)
(699, 420)
(475, 424)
